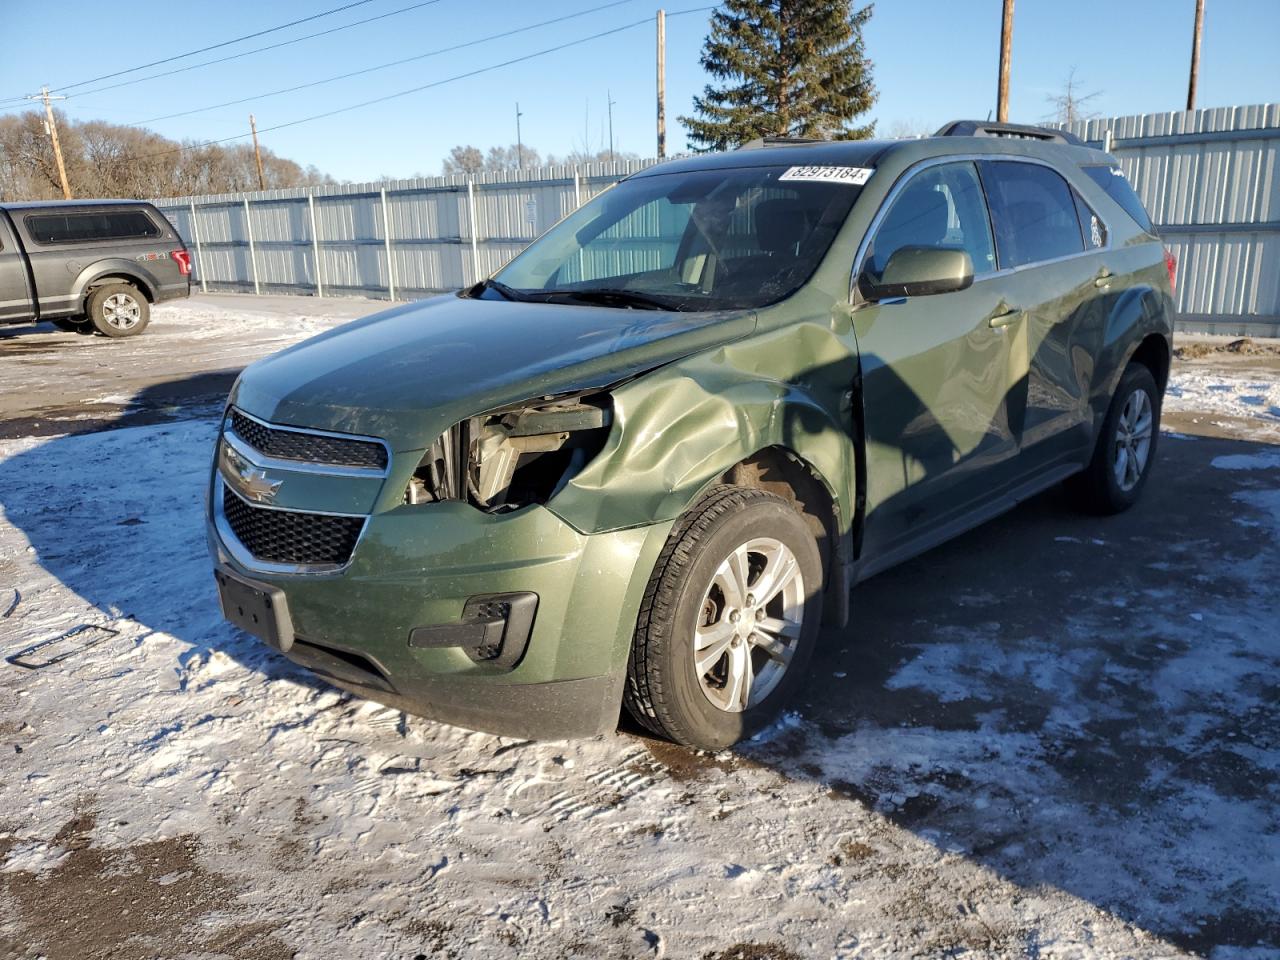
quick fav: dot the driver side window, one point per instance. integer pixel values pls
(941, 207)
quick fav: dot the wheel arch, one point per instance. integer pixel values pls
(1139, 327)
(786, 474)
(1155, 354)
(101, 274)
(676, 436)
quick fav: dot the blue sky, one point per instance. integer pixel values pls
(934, 61)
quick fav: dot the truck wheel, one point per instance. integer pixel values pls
(1126, 447)
(118, 310)
(728, 622)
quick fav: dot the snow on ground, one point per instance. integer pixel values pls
(974, 776)
(1211, 393)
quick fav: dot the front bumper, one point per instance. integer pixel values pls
(418, 566)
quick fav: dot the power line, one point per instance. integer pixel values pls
(418, 89)
(246, 53)
(384, 66)
(215, 46)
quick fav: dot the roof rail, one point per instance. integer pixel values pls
(760, 142)
(1017, 131)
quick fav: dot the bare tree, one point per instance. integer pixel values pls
(110, 160)
(581, 156)
(1069, 106)
(909, 129)
(466, 159)
(509, 158)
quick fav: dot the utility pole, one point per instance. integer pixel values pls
(662, 84)
(51, 127)
(1195, 56)
(257, 154)
(1006, 53)
(609, 97)
(519, 142)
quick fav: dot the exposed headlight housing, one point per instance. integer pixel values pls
(514, 456)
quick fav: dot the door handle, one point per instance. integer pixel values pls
(1104, 278)
(1007, 316)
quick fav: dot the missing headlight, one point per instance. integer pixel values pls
(514, 456)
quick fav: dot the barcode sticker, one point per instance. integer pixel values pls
(854, 176)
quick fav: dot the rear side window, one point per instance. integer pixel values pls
(1111, 179)
(82, 227)
(1033, 212)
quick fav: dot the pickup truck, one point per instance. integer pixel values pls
(89, 265)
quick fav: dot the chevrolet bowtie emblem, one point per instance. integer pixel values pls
(250, 481)
(257, 486)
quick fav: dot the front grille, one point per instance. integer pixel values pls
(285, 536)
(309, 447)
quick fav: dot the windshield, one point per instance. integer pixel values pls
(707, 240)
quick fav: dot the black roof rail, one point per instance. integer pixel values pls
(1016, 131)
(760, 142)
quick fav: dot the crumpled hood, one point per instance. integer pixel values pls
(407, 373)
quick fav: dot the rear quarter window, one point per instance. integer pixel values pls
(84, 227)
(1113, 181)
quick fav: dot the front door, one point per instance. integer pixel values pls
(943, 377)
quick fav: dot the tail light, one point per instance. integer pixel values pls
(183, 259)
(1171, 264)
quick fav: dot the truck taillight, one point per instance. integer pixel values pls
(183, 259)
(1171, 264)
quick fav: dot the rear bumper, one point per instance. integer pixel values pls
(173, 291)
(417, 568)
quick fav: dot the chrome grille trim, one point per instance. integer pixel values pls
(326, 443)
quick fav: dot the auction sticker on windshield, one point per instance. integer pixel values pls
(855, 176)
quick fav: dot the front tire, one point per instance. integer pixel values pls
(118, 310)
(1126, 446)
(729, 620)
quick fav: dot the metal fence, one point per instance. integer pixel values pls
(1210, 178)
(1211, 181)
(400, 239)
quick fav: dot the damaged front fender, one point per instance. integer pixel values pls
(683, 427)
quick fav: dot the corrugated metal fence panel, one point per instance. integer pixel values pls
(1210, 179)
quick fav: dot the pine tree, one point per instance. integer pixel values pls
(793, 68)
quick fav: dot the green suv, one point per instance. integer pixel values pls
(648, 459)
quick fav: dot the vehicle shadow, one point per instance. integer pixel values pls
(133, 545)
(1082, 703)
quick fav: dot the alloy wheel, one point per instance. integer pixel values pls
(121, 311)
(749, 624)
(1133, 440)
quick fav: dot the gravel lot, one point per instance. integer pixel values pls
(1057, 736)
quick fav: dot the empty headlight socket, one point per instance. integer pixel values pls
(515, 456)
(494, 628)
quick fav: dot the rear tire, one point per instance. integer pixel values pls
(714, 658)
(118, 310)
(1126, 447)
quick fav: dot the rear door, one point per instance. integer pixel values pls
(15, 290)
(1053, 271)
(937, 371)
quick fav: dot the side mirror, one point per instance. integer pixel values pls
(919, 272)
